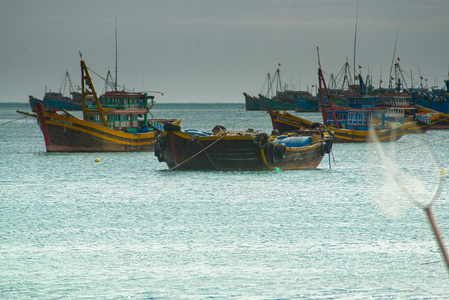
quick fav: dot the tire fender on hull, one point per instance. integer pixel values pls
(192, 146)
(159, 147)
(261, 139)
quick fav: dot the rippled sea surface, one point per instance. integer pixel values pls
(129, 228)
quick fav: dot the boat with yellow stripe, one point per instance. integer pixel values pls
(117, 123)
(390, 132)
(241, 150)
(436, 119)
(352, 123)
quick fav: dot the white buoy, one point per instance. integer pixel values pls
(97, 160)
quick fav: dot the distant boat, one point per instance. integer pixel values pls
(349, 124)
(58, 100)
(437, 100)
(284, 99)
(305, 102)
(241, 150)
(119, 124)
(280, 101)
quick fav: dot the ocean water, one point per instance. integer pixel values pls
(127, 227)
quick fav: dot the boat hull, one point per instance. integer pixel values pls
(64, 133)
(182, 151)
(306, 102)
(265, 103)
(285, 122)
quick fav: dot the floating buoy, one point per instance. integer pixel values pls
(97, 160)
(443, 172)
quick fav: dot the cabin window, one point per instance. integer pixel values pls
(351, 118)
(362, 119)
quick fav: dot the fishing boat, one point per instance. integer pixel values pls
(59, 100)
(305, 102)
(221, 149)
(286, 122)
(349, 124)
(283, 99)
(300, 101)
(399, 107)
(262, 102)
(437, 100)
(119, 124)
(436, 120)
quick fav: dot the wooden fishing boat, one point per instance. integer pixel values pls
(305, 101)
(241, 150)
(283, 99)
(301, 101)
(286, 122)
(399, 107)
(120, 124)
(59, 100)
(435, 99)
(350, 124)
(437, 120)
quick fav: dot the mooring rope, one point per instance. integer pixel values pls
(204, 149)
(13, 120)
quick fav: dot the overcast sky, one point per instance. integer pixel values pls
(214, 50)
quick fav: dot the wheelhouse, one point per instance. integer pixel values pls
(123, 111)
(356, 119)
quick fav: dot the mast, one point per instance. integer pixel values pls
(355, 38)
(86, 80)
(115, 84)
(392, 61)
(278, 80)
(320, 93)
(64, 82)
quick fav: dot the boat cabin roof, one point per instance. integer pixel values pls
(124, 94)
